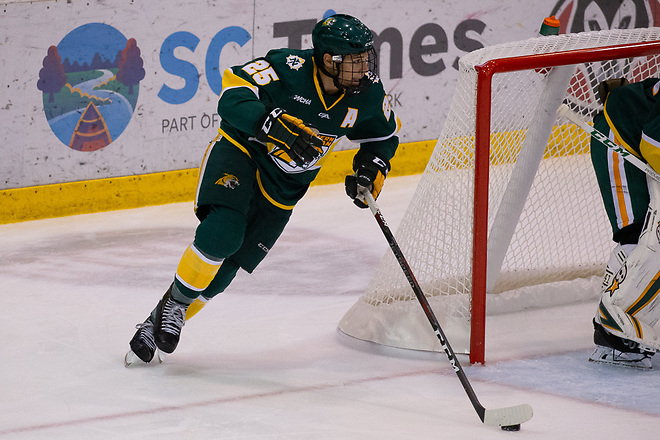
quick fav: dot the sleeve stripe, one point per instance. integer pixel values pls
(396, 130)
(617, 138)
(650, 149)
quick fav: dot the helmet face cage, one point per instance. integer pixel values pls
(354, 71)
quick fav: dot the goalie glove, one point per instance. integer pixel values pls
(289, 134)
(370, 173)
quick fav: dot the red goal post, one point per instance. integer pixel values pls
(507, 215)
(485, 73)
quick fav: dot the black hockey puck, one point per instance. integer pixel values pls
(511, 428)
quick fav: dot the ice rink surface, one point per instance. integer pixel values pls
(265, 359)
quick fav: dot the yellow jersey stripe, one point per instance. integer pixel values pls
(650, 149)
(235, 142)
(618, 139)
(269, 198)
(231, 81)
(319, 90)
(202, 166)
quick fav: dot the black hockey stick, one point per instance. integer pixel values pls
(508, 418)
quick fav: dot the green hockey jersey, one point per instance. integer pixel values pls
(288, 79)
(633, 114)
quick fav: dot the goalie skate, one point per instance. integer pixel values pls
(610, 356)
(614, 350)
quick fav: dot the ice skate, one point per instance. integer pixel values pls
(170, 318)
(143, 345)
(610, 356)
(612, 350)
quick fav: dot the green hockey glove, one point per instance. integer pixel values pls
(370, 173)
(296, 141)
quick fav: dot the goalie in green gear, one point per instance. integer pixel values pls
(629, 309)
(281, 115)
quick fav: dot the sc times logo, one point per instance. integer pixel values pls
(90, 83)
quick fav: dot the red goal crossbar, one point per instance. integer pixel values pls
(485, 74)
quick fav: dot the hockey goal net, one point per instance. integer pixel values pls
(507, 215)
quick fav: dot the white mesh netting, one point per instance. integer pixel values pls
(554, 251)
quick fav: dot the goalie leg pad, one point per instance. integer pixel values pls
(618, 256)
(630, 304)
(626, 326)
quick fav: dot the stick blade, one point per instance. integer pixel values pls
(513, 415)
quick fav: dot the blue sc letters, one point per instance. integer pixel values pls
(186, 70)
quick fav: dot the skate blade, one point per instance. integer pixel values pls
(644, 366)
(131, 359)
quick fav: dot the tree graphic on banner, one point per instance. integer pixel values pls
(52, 77)
(130, 71)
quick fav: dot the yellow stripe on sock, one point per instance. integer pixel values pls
(195, 307)
(195, 271)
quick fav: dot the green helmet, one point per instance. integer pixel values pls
(341, 34)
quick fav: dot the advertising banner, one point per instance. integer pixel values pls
(100, 89)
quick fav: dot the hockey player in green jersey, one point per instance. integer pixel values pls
(281, 115)
(629, 309)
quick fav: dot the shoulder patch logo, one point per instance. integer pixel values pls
(294, 62)
(228, 181)
(373, 77)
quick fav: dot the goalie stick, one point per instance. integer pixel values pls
(565, 111)
(508, 418)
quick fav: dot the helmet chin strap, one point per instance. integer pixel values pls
(349, 91)
(335, 78)
(335, 81)
(337, 59)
